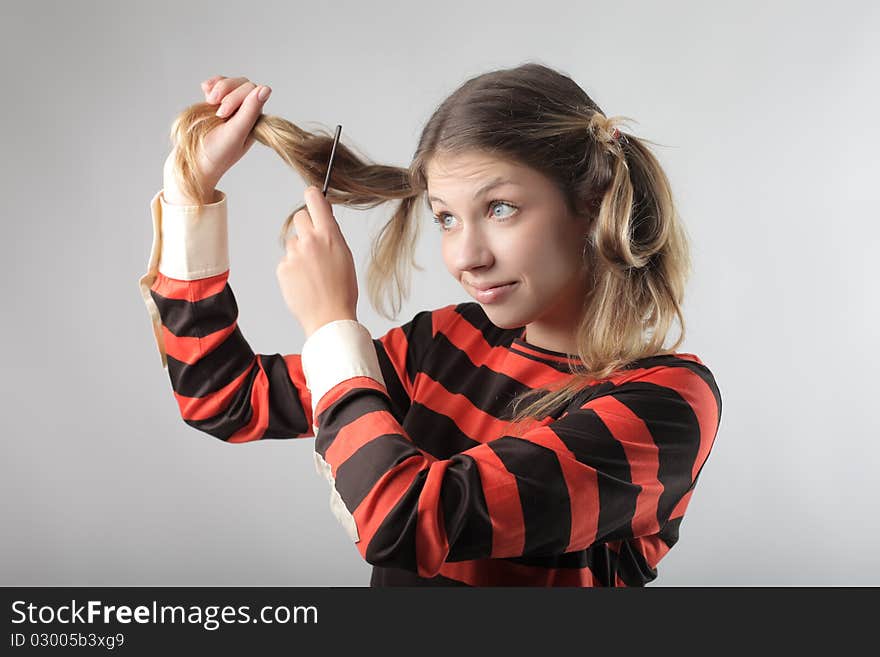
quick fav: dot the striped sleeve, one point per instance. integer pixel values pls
(221, 386)
(619, 466)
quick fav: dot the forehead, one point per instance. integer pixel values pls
(475, 168)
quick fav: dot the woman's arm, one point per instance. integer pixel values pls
(173, 195)
(221, 386)
(619, 467)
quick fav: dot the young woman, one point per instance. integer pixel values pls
(539, 435)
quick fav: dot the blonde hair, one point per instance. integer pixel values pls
(635, 247)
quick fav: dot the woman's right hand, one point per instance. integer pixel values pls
(238, 101)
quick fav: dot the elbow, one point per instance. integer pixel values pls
(403, 554)
(398, 524)
(409, 539)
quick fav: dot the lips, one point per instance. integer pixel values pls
(488, 286)
(493, 294)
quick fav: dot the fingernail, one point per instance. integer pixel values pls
(263, 93)
(221, 111)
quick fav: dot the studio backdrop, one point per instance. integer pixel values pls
(764, 116)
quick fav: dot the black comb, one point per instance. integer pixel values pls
(330, 163)
(286, 227)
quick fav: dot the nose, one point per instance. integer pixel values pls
(471, 250)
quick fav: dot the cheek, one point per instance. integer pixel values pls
(448, 260)
(525, 256)
(553, 261)
(533, 255)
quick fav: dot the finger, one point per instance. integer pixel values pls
(246, 116)
(208, 84)
(302, 223)
(320, 211)
(223, 87)
(290, 247)
(234, 98)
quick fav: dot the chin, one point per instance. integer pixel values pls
(504, 318)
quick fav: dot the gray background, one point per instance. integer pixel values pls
(764, 112)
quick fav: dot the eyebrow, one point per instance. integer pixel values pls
(495, 182)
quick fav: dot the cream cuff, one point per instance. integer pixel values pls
(337, 351)
(189, 242)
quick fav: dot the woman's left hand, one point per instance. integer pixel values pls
(317, 273)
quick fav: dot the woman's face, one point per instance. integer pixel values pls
(517, 231)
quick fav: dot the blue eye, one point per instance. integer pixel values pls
(438, 218)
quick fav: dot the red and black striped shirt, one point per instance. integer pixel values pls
(413, 441)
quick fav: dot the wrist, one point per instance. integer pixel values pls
(174, 195)
(173, 192)
(309, 330)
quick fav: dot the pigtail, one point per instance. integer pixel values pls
(356, 182)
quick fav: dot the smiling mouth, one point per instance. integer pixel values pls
(486, 289)
(493, 294)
